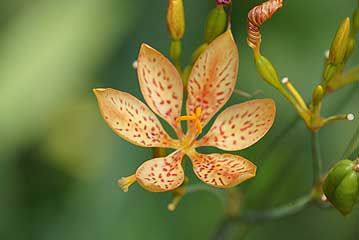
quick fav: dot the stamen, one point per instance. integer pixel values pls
(185, 118)
(177, 196)
(126, 182)
(196, 116)
(173, 205)
(294, 92)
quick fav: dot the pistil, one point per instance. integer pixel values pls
(126, 182)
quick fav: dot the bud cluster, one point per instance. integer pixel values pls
(341, 48)
(176, 28)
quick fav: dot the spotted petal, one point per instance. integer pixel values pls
(161, 84)
(131, 119)
(222, 170)
(161, 174)
(240, 125)
(213, 77)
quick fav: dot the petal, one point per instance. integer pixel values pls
(161, 84)
(161, 174)
(131, 119)
(213, 77)
(222, 170)
(240, 125)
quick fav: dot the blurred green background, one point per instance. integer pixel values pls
(59, 162)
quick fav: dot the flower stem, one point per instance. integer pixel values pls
(352, 146)
(205, 188)
(317, 158)
(292, 208)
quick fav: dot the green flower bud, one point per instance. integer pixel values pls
(175, 49)
(350, 47)
(198, 52)
(329, 72)
(317, 95)
(340, 42)
(267, 71)
(341, 186)
(175, 19)
(216, 23)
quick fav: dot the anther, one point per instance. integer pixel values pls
(177, 196)
(326, 54)
(135, 64)
(196, 116)
(285, 80)
(350, 117)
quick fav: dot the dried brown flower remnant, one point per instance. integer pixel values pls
(223, 2)
(257, 16)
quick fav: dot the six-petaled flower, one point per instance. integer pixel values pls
(210, 85)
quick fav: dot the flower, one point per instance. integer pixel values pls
(210, 85)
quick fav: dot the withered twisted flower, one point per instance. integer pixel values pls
(257, 16)
(210, 85)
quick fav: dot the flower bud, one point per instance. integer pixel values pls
(329, 72)
(198, 52)
(175, 19)
(317, 95)
(339, 45)
(341, 186)
(175, 49)
(216, 24)
(267, 71)
(350, 47)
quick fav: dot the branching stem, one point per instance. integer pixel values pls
(316, 158)
(288, 209)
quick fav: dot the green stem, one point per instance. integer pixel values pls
(352, 146)
(316, 158)
(334, 118)
(159, 152)
(223, 229)
(289, 209)
(205, 188)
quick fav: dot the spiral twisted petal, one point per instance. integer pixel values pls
(257, 16)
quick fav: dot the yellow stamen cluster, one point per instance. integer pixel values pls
(194, 116)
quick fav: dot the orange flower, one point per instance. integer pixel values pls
(210, 85)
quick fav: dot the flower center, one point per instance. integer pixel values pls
(194, 116)
(195, 129)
